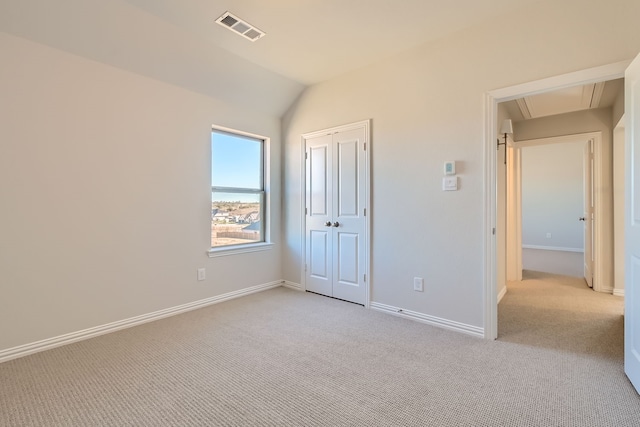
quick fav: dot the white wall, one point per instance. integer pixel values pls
(427, 107)
(552, 195)
(105, 193)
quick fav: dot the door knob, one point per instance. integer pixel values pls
(581, 218)
(328, 223)
(336, 224)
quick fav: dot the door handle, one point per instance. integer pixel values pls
(327, 224)
(336, 224)
(581, 218)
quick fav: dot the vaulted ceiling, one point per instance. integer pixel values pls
(306, 42)
(314, 40)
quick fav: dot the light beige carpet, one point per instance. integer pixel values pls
(287, 358)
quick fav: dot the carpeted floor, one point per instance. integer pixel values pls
(287, 358)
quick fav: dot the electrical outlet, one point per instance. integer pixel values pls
(202, 274)
(418, 284)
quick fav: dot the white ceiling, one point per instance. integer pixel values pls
(311, 41)
(306, 42)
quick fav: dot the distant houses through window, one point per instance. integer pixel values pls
(238, 206)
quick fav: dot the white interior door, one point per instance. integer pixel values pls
(336, 230)
(349, 222)
(588, 217)
(319, 214)
(632, 222)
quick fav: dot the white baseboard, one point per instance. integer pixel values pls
(49, 343)
(552, 248)
(618, 292)
(502, 293)
(431, 320)
(292, 285)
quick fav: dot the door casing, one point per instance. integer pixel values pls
(599, 205)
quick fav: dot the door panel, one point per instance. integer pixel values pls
(632, 225)
(319, 206)
(319, 250)
(347, 176)
(349, 194)
(318, 181)
(347, 259)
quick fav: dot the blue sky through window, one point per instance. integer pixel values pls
(235, 162)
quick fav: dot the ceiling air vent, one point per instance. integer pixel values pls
(239, 26)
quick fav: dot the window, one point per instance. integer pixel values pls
(238, 195)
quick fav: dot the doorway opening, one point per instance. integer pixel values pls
(493, 99)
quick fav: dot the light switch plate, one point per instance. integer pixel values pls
(450, 183)
(450, 167)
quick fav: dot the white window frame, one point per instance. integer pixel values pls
(266, 208)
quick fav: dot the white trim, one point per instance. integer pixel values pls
(292, 285)
(234, 250)
(490, 296)
(591, 75)
(575, 137)
(502, 293)
(553, 248)
(430, 320)
(618, 292)
(491, 100)
(60, 340)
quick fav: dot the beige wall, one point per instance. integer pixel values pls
(427, 107)
(105, 193)
(552, 195)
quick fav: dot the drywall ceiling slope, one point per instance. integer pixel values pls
(116, 33)
(313, 41)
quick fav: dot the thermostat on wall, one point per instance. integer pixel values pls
(450, 168)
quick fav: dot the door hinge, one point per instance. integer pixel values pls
(365, 211)
(305, 211)
(306, 156)
(365, 278)
(493, 231)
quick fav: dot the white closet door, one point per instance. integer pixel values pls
(319, 207)
(348, 213)
(335, 231)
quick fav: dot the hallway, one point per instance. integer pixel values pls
(562, 313)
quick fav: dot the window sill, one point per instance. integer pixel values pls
(240, 249)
